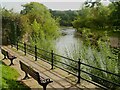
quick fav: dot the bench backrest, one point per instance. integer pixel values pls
(26, 68)
(4, 52)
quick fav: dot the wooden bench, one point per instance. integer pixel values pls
(8, 55)
(4, 53)
(11, 58)
(35, 74)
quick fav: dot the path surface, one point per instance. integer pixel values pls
(61, 79)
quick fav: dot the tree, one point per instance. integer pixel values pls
(35, 19)
(65, 17)
(99, 17)
(10, 26)
(115, 15)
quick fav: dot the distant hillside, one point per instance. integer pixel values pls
(66, 17)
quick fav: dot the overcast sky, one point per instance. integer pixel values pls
(51, 5)
(55, 5)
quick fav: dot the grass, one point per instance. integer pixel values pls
(9, 79)
(97, 56)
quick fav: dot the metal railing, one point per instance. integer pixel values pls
(52, 58)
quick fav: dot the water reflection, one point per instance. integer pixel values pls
(67, 41)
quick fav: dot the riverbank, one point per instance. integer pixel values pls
(70, 37)
(113, 36)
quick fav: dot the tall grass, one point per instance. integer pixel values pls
(96, 52)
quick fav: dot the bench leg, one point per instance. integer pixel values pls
(26, 76)
(44, 84)
(44, 87)
(11, 62)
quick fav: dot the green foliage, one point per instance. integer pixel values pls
(9, 79)
(34, 25)
(99, 17)
(37, 22)
(40, 28)
(10, 28)
(96, 56)
(115, 15)
(65, 17)
(94, 18)
(34, 21)
(96, 47)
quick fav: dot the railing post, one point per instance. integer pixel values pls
(79, 65)
(25, 48)
(17, 45)
(52, 58)
(35, 53)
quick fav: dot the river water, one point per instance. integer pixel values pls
(67, 41)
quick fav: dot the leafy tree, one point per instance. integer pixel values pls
(37, 20)
(39, 27)
(66, 17)
(98, 17)
(115, 15)
(10, 26)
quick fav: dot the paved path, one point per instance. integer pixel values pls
(61, 79)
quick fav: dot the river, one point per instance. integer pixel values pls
(67, 41)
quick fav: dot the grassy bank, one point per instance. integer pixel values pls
(95, 51)
(9, 79)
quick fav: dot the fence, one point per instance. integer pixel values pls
(76, 69)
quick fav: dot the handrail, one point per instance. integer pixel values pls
(44, 55)
(100, 78)
(78, 62)
(66, 64)
(43, 50)
(65, 57)
(100, 69)
(66, 70)
(105, 88)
